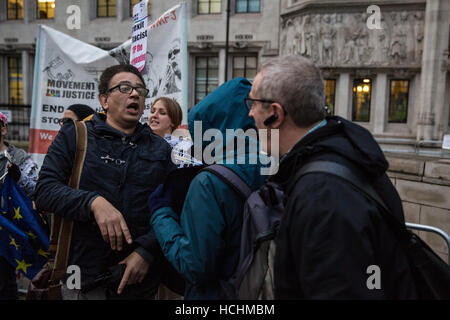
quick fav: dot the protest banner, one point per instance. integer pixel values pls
(139, 35)
(67, 71)
(165, 70)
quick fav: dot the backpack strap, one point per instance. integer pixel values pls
(230, 178)
(61, 233)
(341, 171)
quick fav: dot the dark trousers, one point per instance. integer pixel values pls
(8, 284)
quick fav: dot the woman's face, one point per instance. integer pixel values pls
(159, 120)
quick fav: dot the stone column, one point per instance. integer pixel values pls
(3, 79)
(434, 64)
(343, 98)
(120, 10)
(222, 66)
(27, 77)
(381, 103)
(29, 11)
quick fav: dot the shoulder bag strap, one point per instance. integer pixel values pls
(363, 186)
(64, 234)
(230, 178)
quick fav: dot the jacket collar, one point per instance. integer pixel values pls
(104, 129)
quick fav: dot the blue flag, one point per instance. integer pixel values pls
(24, 241)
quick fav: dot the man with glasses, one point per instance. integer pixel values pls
(331, 233)
(125, 162)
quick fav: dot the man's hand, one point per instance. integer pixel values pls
(111, 223)
(135, 271)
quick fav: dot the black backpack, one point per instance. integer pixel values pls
(263, 209)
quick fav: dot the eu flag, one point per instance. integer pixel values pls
(24, 241)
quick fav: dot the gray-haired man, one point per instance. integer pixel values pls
(330, 234)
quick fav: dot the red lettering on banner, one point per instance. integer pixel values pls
(163, 20)
(174, 16)
(138, 59)
(40, 140)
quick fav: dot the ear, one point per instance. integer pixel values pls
(4, 131)
(103, 98)
(278, 109)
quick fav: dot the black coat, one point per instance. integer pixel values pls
(124, 169)
(331, 233)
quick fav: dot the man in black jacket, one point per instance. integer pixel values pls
(124, 163)
(333, 242)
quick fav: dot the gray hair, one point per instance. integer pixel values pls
(297, 84)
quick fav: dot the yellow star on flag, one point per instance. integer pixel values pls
(13, 243)
(22, 265)
(31, 234)
(1, 228)
(43, 253)
(17, 214)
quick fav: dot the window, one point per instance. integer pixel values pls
(206, 76)
(330, 90)
(106, 8)
(247, 6)
(15, 9)
(398, 101)
(134, 2)
(45, 9)
(15, 80)
(361, 100)
(209, 6)
(245, 66)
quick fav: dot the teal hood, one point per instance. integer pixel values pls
(224, 111)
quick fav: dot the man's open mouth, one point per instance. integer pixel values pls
(133, 106)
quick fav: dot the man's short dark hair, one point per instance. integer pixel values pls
(110, 72)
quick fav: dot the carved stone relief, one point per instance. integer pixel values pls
(341, 39)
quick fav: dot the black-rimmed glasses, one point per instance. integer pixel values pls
(249, 102)
(126, 88)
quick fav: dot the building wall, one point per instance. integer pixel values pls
(412, 44)
(206, 34)
(424, 187)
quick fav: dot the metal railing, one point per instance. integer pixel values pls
(19, 127)
(423, 227)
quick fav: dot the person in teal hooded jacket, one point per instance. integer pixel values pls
(203, 244)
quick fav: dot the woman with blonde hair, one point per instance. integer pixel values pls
(165, 118)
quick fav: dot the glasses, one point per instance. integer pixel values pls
(126, 88)
(249, 102)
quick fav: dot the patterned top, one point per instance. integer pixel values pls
(28, 168)
(181, 151)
